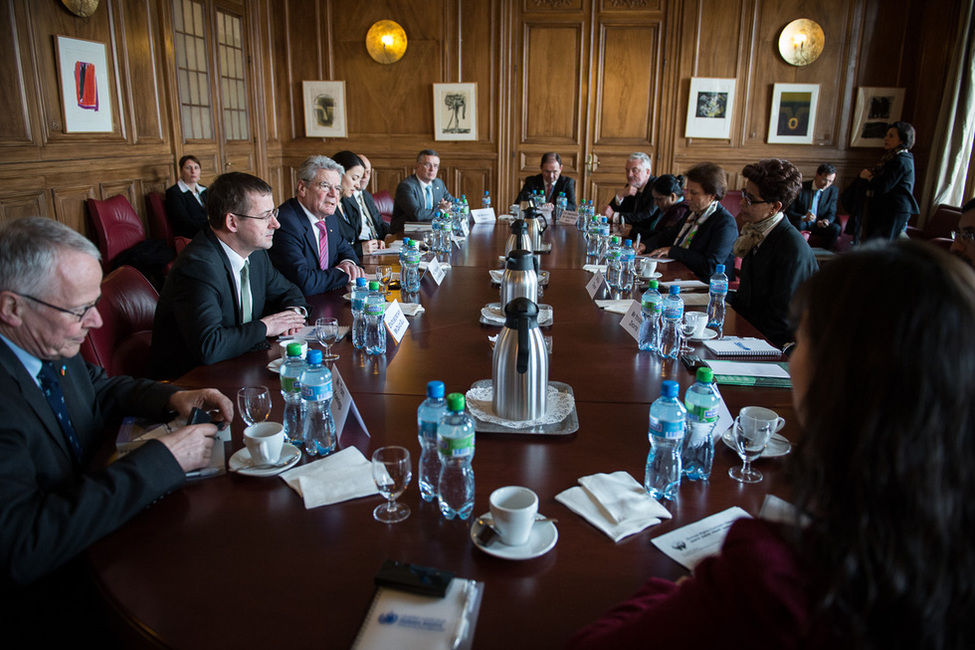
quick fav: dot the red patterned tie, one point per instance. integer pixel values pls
(322, 245)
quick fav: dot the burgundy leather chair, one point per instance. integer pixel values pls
(732, 202)
(127, 307)
(117, 227)
(385, 204)
(159, 227)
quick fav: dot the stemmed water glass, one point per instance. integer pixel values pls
(327, 332)
(385, 275)
(254, 404)
(750, 436)
(692, 320)
(392, 473)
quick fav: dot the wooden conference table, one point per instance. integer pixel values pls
(238, 562)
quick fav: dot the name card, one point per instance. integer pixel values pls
(457, 239)
(569, 217)
(465, 226)
(395, 321)
(436, 271)
(632, 320)
(595, 283)
(483, 215)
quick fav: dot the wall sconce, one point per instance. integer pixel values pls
(83, 8)
(386, 42)
(801, 42)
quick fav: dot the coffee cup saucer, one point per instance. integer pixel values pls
(543, 537)
(241, 462)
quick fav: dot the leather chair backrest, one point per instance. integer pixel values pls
(159, 227)
(732, 201)
(384, 202)
(127, 307)
(943, 221)
(117, 226)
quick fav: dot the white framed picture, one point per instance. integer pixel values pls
(709, 108)
(325, 115)
(875, 109)
(455, 111)
(86, 97)
(793, 113)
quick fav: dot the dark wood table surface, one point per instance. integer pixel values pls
(238, 562)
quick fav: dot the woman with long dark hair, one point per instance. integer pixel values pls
(883, 476)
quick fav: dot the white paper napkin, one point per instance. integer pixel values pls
(615, 306)
(592, 268)
(411, 308)
(342, 476)
(424, 264)
(614, 503)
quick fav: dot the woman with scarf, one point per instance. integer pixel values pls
(889, 186)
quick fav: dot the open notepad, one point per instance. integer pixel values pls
(733, 346)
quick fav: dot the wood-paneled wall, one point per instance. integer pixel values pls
(592, 79)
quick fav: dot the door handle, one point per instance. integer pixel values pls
(592, 162)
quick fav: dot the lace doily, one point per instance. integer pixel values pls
(480, 401)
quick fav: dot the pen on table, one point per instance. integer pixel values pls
(203, 473)
(470, 595)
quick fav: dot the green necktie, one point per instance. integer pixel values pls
(246, 306)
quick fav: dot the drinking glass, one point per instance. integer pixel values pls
(384, 274)
(692, 320)
(750, 436)
(254, 404)
(327, 331)
(392, 473)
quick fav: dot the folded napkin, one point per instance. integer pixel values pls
(686, 284)
(411, 308)
(342, 476)
(615, 306)
(592, 268)
(614, 503)
(425, 264)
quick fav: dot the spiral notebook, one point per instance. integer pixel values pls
(733, 346)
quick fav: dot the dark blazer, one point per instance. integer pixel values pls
(826, 209)
(295, 251)
(537, 184)
(186, 215)
(350, 221)
(769, 276)
(409, 204)
(649, 230)
(638, 209)
(892, 203)
(710, 246)
(198, 319)
(52, 508)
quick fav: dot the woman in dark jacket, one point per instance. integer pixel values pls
(890, 186)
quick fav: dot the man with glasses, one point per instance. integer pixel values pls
(421, 195)
(550, 182)
(963, 245)
(815, 207)
(309, 248)
(633, 204)
(54, 415)
(223, 297)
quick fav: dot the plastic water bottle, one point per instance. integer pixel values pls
(628, 280)
(316, 393)
(667, 422)
(427, 418)
(455, 444)
(375, 329)
(673, 313)
(561, 204)
(614, 263)
(592, 240)
(603, 240)
(651, 307)
(402, 251)
(411, 268)
(716, 295)
(702, 402)
(359, 313)
(486, 199)
(581, 220)
(291, 371)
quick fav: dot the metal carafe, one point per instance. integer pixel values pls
(520, 365)
(533, 219)
(519, 278)
(519, 239)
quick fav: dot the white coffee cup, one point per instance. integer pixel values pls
(648, 266)
(513, 509)
(759, 417)
(283, 344)
(264, 441)
(700, 320)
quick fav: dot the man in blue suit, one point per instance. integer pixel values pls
(308, 247)
(420, 196)
(815, 207)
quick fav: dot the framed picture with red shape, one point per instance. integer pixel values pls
(86, 96)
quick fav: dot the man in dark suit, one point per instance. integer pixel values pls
(550, 182)
(421, 195)
(633, 204)
(54, 416)
(186, 200)
(815, 207)
(367, 204)
(223, 297)
(309, 248)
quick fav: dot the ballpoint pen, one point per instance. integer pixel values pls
(470, 597)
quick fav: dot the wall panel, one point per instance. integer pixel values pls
(551, 89)
(627, 68)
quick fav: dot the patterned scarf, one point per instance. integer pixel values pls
(752, 234)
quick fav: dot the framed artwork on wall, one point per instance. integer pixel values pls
(875, 109)
(83, 75)
(455, 111)
(325, 115)
(709, 108)
(793, 113)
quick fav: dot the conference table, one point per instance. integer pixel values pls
(237, 561)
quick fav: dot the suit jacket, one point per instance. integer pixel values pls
(198, 318)
(638, 209)
(295, 251)
(52, 507)
(409, 204)
(893, 191)
(710, 246)
(187, 215)
(350, 221)
(825, 210)
(769, 276)
(667, 221)
(537, 184)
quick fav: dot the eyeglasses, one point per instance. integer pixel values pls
(327, 188)
(273, 214)
(78, 313)
(751, 200)
(967, 236)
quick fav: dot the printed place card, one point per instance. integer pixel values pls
(632, 320)
(595, 283)
(395, 321)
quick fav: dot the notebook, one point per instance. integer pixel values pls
(733, 346)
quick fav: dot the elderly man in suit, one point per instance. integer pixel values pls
(421, 195)
(633, 204)
(54, 417)
(815, 207)
(550, 182)
(308, 247)
(223, 297)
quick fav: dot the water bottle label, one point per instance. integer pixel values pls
(719, 287)
(651, 305)
(317, 393)
(673, 311)
(665, 429)
(290, 384)
(702, 413)
(428, 431)
(457, 447)
(375, 308)
(358, 304)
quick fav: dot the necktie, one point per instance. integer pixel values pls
(429, 194)
(366, 217)
(246, 305)
(322, 245)
(814, 208)
(55, 398)
(548, 192)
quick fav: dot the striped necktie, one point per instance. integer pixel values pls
(322, 245)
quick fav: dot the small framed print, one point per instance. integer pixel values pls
(875, 109)
(709, 108)
(793, 113)
(455, 111)
(85, 90)
(325, 115)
